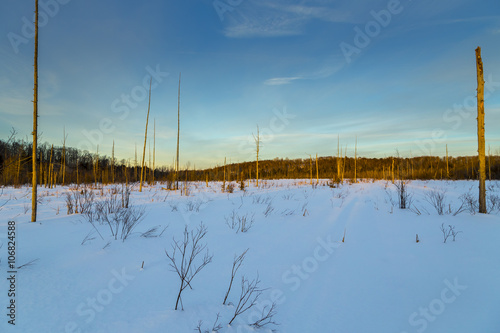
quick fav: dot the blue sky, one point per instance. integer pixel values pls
(300, 70)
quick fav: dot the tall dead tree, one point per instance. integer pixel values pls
(178, 133)
(145, 136)
(480, 132)
(447, 167)
(113, 163)
(338, 158)
(257, 144)
(35, 120)
(317, 170)
(63, 157)
(154, 149)
(355, 160)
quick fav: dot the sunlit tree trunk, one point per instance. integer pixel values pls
(35, 121)
(480, 132)
(178, 134)
(145, 137)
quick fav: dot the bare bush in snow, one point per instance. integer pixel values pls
(238, 260)
(437, 199)
(183, 258)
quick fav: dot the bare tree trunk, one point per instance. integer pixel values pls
(96, 166)
(355, 160)
(257, 143)
(35, 121)
(310, 169)
(77, 173)
(480, 132)
(64, 158)
(51, 166)
(447, 167)
(178, 133)
(135, 163)
(224, 180)
(113, 163)
(338, 157)
(154, 149)
(317, 171)
(489, 162)
(145, 136)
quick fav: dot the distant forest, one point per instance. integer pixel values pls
(65, 165)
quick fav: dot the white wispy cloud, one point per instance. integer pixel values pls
(278, 81)
(258, 18)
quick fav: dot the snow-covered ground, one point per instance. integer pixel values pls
(378, 280)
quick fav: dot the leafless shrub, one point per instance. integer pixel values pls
(259, 199)
(150, 233)
(239, 223)
(186, 266)
(193, 206)
(437, 199)
(493, 201)
(447, 232)
(26, 208)
(230, 188)
(245, 222)
(153, 232)
(126, 191)
(304, 209)
(404, 197)
(79, 201)
(288, 212)
(173, 206)
(454, 233)
(232, 220)
(469, 202)
(109, 205)
(238, 260)
(216, 327)
(92, 216)
(68, 197)
(87, 238)
(269, 209)
(250, 293)
(126, 219)
(6, 201)
(266, 317)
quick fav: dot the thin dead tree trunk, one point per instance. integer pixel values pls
(35, 121)
(135, 163)
(489, 162)
(355, 160)
(51, 166)
(257, 143)
(310, 168)
(338, 157)
(154, 149)
(64, 157)
(317, 171)
(447, 167)
(480, 132)
(178, 134)
(145, 136)
(113, 163)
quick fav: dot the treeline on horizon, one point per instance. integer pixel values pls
(66, 165)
